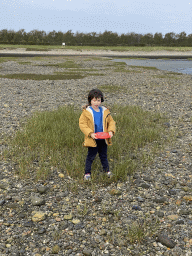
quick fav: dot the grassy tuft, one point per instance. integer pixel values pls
(141, 229)
(52, 139)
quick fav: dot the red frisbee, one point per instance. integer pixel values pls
(102, 135)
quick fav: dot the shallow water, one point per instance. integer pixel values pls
(176, 65)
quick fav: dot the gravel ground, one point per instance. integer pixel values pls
(59, 216)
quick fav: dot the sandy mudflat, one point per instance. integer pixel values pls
(97, 52)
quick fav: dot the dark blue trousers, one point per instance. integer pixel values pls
(101, 149)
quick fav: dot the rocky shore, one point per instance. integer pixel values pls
(58, 216)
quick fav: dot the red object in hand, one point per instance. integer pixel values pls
(102, 135)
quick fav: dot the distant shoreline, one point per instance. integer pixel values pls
(21, 52)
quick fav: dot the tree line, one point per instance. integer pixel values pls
(107, 38)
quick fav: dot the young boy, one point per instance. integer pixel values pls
(96, 118)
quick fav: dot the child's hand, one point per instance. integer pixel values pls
(93, 136)
(110, 134)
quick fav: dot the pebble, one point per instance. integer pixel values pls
(37, 201)
(38, 216)
(165, 240)
(42, 189)
(49, 221)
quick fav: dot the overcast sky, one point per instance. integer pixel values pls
(121, 16)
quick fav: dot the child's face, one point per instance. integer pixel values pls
(95, 103)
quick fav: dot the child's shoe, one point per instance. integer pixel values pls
(109, 174)
(87, 177)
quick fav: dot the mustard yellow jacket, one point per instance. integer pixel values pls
(87, 126)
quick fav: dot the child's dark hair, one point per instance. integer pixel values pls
(95, 93)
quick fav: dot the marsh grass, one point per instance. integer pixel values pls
(89, 48)
(24, 62)
(57, 76)
(112, 88)
(37, 49)
(117, 64)
(166, 77)
(52, 139)
(5, 59)
(127, 70)
(174, 73)
(66, 64)
(72, 70)
(148, 68)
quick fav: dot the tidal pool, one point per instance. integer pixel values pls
(175, 65)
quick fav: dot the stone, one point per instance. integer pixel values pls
(160, 214)
(173, 217)
(98, 199)
(56, 248)
(3, 185)
(165, 240)
(160, 200)
(29, 223)
(36, 201)
(61, 175)
(178, 202)
(172, 191)
(87, 252)
(38, 216)
(145, 185)
(136, 207)
(2, 202)
(188, 197)
(140, 199)
(68, 217)
(75, 221)
(21, 215)
(103, 232)
(179, 222)
(115, 192)
(184, 212)
(42, 189)
(41, 231)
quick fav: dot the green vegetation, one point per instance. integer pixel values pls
(139, 230)
(73, 70)
(52, 139)
(5, 59)
(89, 48)
(58, 76)
(174, 73)
(24, 63)
(167, 77)
(37, 49)
(66, 64)
(112, 88)
(151, 68)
